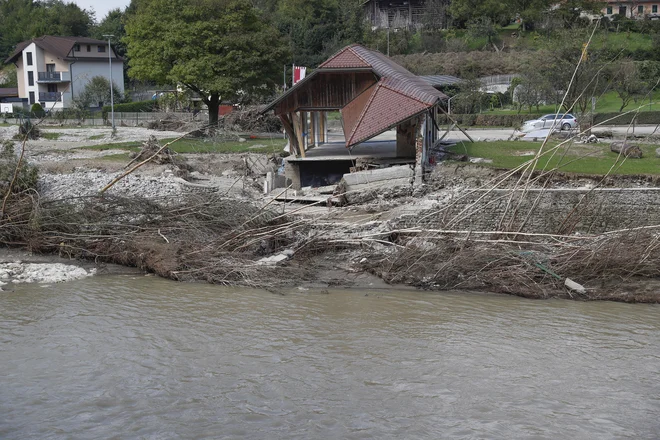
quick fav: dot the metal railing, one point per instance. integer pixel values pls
(50, 76)
(50, 96)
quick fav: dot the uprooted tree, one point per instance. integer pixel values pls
(219, 49)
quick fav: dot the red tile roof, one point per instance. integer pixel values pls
(398, 95)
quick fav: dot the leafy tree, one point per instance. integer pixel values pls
(112, 24)
(8, 76)
(570, 12)
(468, 10)
(627, 82)
(534, 90)
(55, 17)
(484, 27)
(581, 84)
(216, 48)
(312, 27)
(22, 20)
(97, 93)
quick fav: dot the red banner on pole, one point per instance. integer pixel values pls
(298, 73)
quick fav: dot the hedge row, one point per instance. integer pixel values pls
(489, 120)
(652, 117)
(131, 107)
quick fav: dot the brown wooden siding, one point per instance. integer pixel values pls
(327, 91)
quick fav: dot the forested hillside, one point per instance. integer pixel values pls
(467, 38)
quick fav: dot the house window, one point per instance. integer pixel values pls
(609, 10)
(29, 58)
(31, 98)
(89, 48)
(654, 9)
(101, 48)
(30, 78)
(640, 9)
(76, 48)
(622, 10)
(52, 88)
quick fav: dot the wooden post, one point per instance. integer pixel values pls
(325, 127)
(322, 134)
(291, 133)
(298, 129)
(312, 131)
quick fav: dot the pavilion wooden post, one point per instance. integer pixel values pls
(291, 133)
(313, 141)
(298, 130)
(323, 135)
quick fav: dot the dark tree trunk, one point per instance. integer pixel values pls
(213, 104)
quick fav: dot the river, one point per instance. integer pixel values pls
(128, 357)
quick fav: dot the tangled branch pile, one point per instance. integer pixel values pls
(534, 268)
(249, 120)
(209, 238)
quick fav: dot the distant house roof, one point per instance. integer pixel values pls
(387, 96)
(9, 92)
(61, 47)
(439, 81)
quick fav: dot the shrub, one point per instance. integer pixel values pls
(27, 129)
(651, 117)
(27, 174)
(37, 110)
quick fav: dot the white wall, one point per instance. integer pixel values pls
(37, 57)
(83, 71)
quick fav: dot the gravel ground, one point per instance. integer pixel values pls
(81, 137)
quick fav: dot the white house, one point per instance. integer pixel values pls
(55, 70)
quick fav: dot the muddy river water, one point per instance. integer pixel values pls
(127, 357)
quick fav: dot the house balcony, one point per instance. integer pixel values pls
(53, 77)
(50, 96)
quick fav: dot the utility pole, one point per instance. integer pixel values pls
(112, 93)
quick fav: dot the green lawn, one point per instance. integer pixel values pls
(196, 145)
(583, 159)
(53, 136)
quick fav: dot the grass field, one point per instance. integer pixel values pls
(196, 145)
(584, 158)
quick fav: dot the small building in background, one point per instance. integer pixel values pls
(632, 9)
(53, 71)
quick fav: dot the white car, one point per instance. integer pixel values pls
(561, 121)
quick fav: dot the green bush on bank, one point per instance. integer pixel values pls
(131, 107)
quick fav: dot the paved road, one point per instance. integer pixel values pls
(618, 131)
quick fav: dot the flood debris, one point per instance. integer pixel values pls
(628, 150)
(575, 287)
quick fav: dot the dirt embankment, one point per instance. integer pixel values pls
(216, 226)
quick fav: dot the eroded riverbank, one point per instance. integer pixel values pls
(215, 225)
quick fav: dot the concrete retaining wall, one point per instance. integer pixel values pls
(561, 211)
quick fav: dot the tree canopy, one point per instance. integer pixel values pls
(22, 20)
(219, 49)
